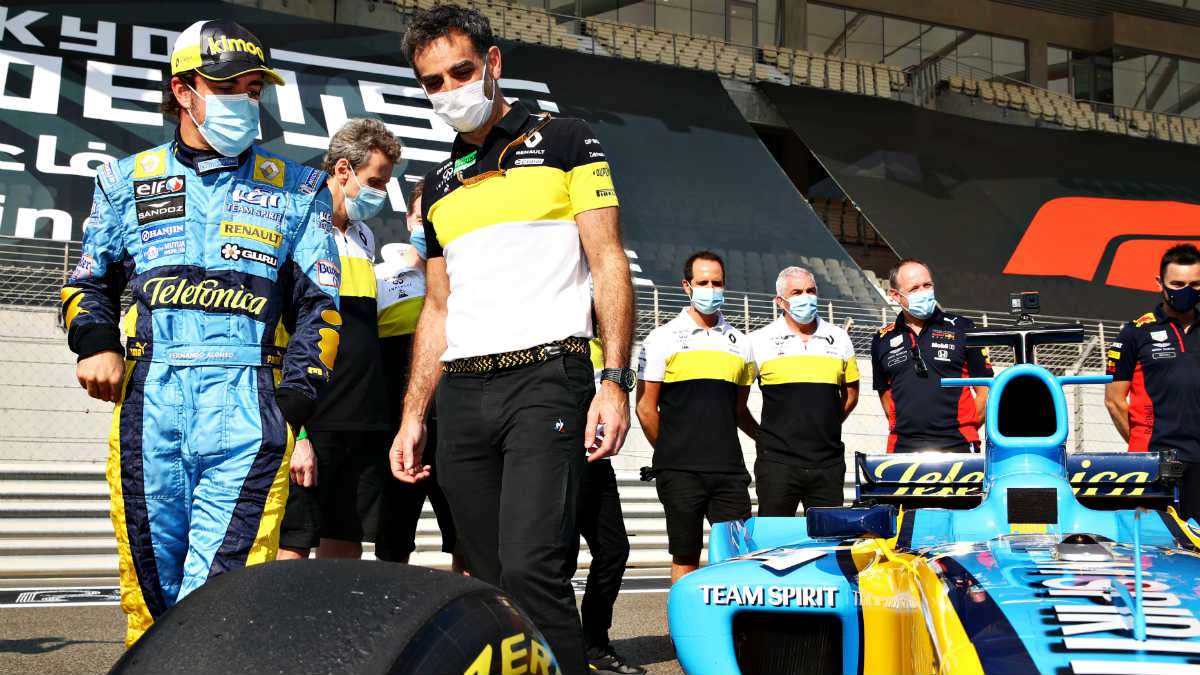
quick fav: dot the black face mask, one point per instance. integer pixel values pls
(1182, 299)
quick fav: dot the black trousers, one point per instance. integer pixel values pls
(404, 502)
(782, 487)
(510, 457)
(602, 525)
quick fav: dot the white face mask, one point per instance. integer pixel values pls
(466, 108)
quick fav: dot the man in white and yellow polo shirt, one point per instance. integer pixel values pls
(809, 381)
(339, 466)
(694, 375)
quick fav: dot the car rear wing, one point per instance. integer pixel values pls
(1100, 480)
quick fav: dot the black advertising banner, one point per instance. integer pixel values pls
(1084, 217)
(80, 84)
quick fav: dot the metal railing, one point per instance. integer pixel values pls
(749, 311)
(33, 270)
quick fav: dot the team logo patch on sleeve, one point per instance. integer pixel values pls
(325, 220)
(309, 184)
(108, 175)
(1145, 319)
(268, 170)
(263, 235)
(231, 251)
(93, 218)
(150, 163)
(328, 274)
(84, 269)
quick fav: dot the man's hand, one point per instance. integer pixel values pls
(101, 374)
(405, 455)
(610, 407)
(303, 469)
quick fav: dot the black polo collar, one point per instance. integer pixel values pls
(206, 161)
(509, 127)
(1160, 316)
(938, 316)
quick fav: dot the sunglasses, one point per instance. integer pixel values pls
(500, 170)
(918, 363)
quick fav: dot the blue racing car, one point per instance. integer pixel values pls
(1043, 562)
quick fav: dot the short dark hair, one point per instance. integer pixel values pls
(1179, 254)
(439, 21)
(896, 270)
(170, 105)
(701, 255)
(415, 193)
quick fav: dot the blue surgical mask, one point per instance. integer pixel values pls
(230, 122)
(366, 203)
(416, 239)
(1183, 299)
(707, 299)
(922, 303)
(803, 308)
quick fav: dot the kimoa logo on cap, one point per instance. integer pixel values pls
(224, 44)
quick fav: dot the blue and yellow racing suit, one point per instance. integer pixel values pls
(233, 331)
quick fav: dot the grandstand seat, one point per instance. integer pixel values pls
(956, 84)
(883, 85)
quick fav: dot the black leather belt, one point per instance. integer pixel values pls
(492, 363)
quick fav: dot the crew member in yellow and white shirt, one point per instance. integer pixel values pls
(809, 380)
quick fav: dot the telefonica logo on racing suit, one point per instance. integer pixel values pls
(207, 295)
(224, 44)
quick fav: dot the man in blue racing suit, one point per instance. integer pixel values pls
(232, 332)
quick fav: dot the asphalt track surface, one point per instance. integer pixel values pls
(75, 625)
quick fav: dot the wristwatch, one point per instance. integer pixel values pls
(624, 377)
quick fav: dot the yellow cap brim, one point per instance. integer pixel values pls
(271, 76)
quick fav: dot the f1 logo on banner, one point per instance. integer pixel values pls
(1119, 238)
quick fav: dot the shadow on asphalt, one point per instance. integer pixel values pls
(45, 645)
(646, 649)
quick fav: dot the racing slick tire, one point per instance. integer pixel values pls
(345, 616)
